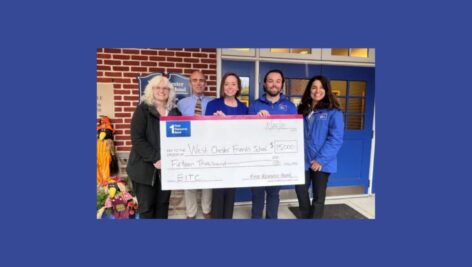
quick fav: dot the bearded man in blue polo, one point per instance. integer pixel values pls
(273, 102)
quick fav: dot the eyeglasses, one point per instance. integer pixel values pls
(161, 88)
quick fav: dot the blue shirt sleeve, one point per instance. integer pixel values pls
(334, 140)
(211, 107)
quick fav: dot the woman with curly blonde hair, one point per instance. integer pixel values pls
(144, 164)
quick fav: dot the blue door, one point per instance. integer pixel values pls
(355, 90)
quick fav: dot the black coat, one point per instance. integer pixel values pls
(145, 138)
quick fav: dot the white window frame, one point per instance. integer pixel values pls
(326, 56)
(315, 54)
(231, 52)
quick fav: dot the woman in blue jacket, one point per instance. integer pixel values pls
(323, 133)
(222, 203)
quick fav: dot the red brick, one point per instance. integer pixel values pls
(194, 60)
(204, 60)
(112, 50)
(174, 49)
(166, 64)
(101, 55)
(99, 50)
(113, 74)
(130, 86)
(116, 86)
(183, 54)
(148, 52)
(99, 61)
(122, 92)
(131, 74)
(157, 58)
(212, 55)
(141, 69)
(211, 83)
(127, 109)
(210, 50)
(122, 103)
(122, 126)
(183, 65)
(192, 49)
(199, 55)
(112, 62)
(99, 73)
(103, 68)
(175, 70)
(121, 137)
(123, 149)
(119, 80)
(144, 63)
(119, 145)
(166, 53)
(127, 131)
(174, 59)
(133, 98)
(156, 70)
(115, 56)
(131, 51)
(104, 80)
(119, 132)
(118, 97)
(128, 120)
(120, 68)
(200, 66)
(139, 57)
(121, 115)
(131, 63)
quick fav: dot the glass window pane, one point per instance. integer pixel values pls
(359, 52)
(244, 85)
(297, 86)
(342, 102)
(357, 88)
(355, 105)
(340, 51)
(355, 122)
(240, 49)
(339, 87)
(280, 50)
(296, 100)
(244, 99)
(301, 51)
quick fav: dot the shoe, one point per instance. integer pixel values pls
(191, 218)
(207, 215)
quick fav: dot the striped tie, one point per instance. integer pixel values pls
(198, 107)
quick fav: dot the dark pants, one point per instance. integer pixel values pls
(222, 203)
(272, 206)
(153, 203)
(319, 181)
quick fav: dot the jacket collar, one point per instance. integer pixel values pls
(264, 99)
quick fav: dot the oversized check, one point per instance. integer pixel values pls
(232, 151)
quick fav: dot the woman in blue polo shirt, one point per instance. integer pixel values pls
(222, 203)
(323, 133)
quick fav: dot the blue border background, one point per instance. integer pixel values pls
(48, 68)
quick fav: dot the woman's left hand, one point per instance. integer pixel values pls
(315, 166)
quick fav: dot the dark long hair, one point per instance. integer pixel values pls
(329, 101)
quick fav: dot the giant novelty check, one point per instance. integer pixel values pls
(231, 151)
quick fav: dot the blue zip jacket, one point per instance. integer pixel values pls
(283, 106)
(324, 131)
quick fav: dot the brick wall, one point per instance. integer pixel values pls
(121, 67)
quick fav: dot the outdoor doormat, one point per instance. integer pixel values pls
(335, 211)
